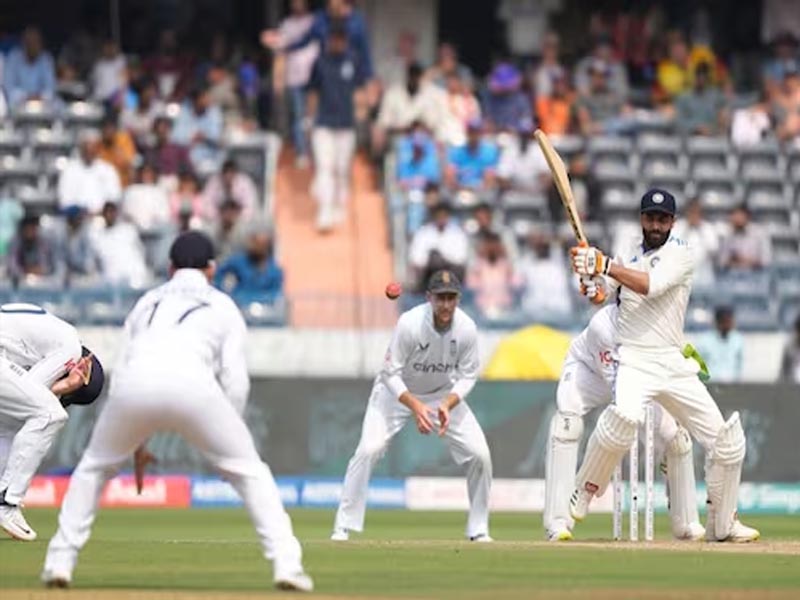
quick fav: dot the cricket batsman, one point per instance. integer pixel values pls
(653, 278)
(586, 383)
(429, 369)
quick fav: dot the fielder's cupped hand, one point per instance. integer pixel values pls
(424, 418)
(444, 418)
(589, 261)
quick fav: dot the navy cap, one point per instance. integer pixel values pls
(191, 250)
(657, 200)
(444, 282)
(89, 392)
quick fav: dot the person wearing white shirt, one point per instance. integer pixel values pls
(430, 367)
(110, 72)
(703, 238)
(522, 165)
(87, 181)
(586, 383)
(41, 364)
(119, 250)
(182, 368)
(652, 282)
(439, 243)
(145, 203)
(545, 279)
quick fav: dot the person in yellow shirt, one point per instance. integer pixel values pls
(117, 147)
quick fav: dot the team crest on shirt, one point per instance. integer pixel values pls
(453, 348)
(654, 261)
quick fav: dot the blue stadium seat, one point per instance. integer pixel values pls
(80, 115)
(710, 150)
(610, 147)
(663, 149)
(33, 114)
(19, 171)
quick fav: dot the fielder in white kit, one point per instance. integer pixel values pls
(429, 369)
(182, 368)
(654, 280)
(40, 367)
(586, 383)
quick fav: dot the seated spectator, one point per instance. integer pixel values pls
(544, 278)
(786, 105)
(485, 221)
(462, 108)
(119, 250)
(522, 165)
(439, 244)
(702, 110)
(187, 202)
(31, 254)
(675, 74)
(29, 71)
(170, 68)
(746, 246)
(140, 119)
(417, 161)
(253, 273)
(216, 73)
(88, 181)
(109, 74)
(472, 165)
(199, 126)
(703, 238)
(406, 103)
(490, 277)
(76, 245)
(228, 233)
(145, 203)
(505, 102)
(117, 149)
(790, 366)
(169, 158)
(549, 65)
(601, 110)
(446, 65)
(419, 205)
(617, 76)
(751, 124)
(722, 348)
(785, 56)
(554, 110)
(231, 184)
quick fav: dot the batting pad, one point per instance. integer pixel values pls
(566, 430)
(680, 478)
(611, 439)
(723, 474)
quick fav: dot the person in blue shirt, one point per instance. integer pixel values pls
(199, 126)
(723, 347)
(336, 76)
(473, 165)
(252, 274)
(29, 71)
(336, 13)
(417, 160)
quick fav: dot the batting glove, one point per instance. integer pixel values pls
(589, 261)
(594, 288)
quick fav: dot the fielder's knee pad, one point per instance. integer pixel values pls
(723, 474)
(611, 439)
(566, 427)
(680, 477)
(680, 444)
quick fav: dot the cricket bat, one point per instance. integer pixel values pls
(561, 179)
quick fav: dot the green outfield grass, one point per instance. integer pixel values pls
(410, 554)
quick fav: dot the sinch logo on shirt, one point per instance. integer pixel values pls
(434, 367)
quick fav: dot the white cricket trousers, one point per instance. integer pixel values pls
(386, 416)
(333, 158)
(34, 414)
(143, 403)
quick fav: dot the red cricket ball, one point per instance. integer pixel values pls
(393, 290)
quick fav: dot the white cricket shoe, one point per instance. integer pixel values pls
(12, 520)
(579, 504)
(340, 534)
(694, 532)
(53, 578)
(560, 533)
(481, 538)
(742, 534)
(294, 582)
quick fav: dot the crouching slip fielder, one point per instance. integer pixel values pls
(655, 276)
(41, 372)
(181, 368)
(430, 367)
(586, 382)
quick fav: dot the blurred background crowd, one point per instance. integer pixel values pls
(113, 142)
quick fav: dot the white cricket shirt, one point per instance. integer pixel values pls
(424, 361)
(655, 321)
(595, 345)
(189, 327)
(32, 338)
